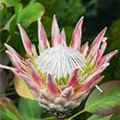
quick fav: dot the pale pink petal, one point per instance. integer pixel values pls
(67, 92)
(43, 42)
(34, 51)
(28, 80)
(96, 43)
(103, 47)
(93, 60)
(15, 62)
(46, 94)
(90, 84)
(73, 80)
(63, 38)
(77, 34)
(13, 51)
(107, 58)
(101, 50)
(79, 95)
(84, 49)
(33, 87)
(26, 42)
(94, 75)
(35, 74)
(52, 87)
(15, 55)
(8, 68)
(103, 66)
(55, 37)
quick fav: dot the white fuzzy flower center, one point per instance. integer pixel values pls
(60, 60)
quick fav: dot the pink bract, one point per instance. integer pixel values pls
(60, 76)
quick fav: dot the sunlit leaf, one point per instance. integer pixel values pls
(10, 3)
(30, 14)
(106, 102)
(18, 8)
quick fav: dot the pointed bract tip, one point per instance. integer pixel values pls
(54, 16)
(116, 51)
(49, 76)
(8, 68)
(6, 45)
(6, 51)
(76, 69)
(19, 25)
(106, 64)
(39, 19)
(104, 39)
(52, 87)
(105, 29)
(82, 18)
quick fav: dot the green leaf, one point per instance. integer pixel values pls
(116, 115)
(10, 3)
(7, 26)
(18, 8)
(30, 108)
(114, 43)
(13, 25)
(49, 118)
(8, 111)
(106, 102)
(30, 14)
(68, 31)
(7, 114)
(99, 117)
(113, 34)
(3, 11)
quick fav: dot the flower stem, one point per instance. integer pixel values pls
(76, 114)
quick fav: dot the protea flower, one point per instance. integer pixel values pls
(60, 76)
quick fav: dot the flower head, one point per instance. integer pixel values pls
(60, 76)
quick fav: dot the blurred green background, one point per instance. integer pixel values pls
(98, 14)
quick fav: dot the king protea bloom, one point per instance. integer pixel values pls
(60, 76)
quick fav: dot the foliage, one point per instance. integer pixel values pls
(105, 105)
(107, 102)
